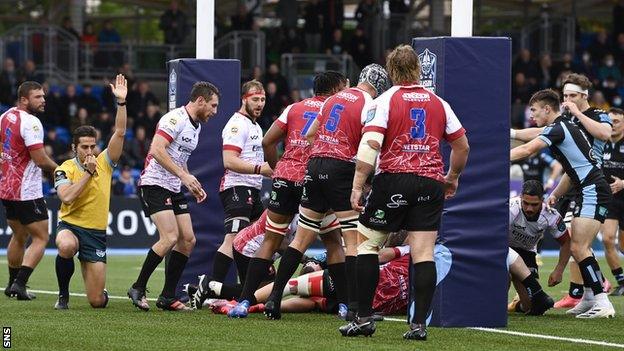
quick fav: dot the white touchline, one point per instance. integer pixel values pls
(48, 292)
(538, 336)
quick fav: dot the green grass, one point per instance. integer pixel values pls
(37, 326)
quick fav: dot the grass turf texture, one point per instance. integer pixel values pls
(37, 326)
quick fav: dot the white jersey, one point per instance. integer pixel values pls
(525, 234)
(20, 178)
(242, 135)
(183, 135)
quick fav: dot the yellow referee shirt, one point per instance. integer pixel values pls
(90, 209)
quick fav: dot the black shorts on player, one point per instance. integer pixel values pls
(155, 199)
(328, 185)
(26, 212)
(285, 197)
(242, 206)
(529, 258)
(615, 209)
(404, 201)
(592, 201)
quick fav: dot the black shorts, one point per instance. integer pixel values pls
(529, 259)
(285, 196)
(328, 185)
(615, 209)
(91, 242)
(404, 201)
(26, 212)
(592, 201)
(155, 199)
(242, 206)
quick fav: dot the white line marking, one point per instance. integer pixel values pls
(48, 292)
(538, 336)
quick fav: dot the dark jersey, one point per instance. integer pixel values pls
(533, 167)
(574, 151)
(613, 163)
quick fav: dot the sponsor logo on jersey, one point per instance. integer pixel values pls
(278, 183)
(414, 96)
(370, 114)
(347, 96)
(428, 62)
(273, 195)
(396, 201)
(379, 214)
(186, 139)
(313, 103)
(234, 130)
(416, 148)
(100, 253)
(173, 121)
(35, 128)
(254, 137)
(328, 139)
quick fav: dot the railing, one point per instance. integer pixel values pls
(301, 68)
(247, 46)
(553, 35)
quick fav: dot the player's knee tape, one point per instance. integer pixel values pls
(329, 223)
(235, 224)
(350, 223)
(308, 223)
(374, 240)
(279, 228)
(512, 256)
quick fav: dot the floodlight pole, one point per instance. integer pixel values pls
(204, 35)
(461, 18)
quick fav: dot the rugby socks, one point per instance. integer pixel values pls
(152, 260)
(423, 286)
(367, 279)
(64, 271)
(576, 290)
(287, 267)
(23, 275)
(351, 267)
(532, 285)
(12, 274)
(257, 270)
(220, 266)
(618, 273)
(173, 272)
(229, 292)
(338, 273)
(592, 277)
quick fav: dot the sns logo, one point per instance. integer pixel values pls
(428, 61)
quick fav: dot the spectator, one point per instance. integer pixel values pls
(600, 47)
(81, 119)
(88, 34)
(586, 67)
(522, 89)
(610, 89)
(125, 185)
(526, 65)
(8, 83)
(272, 107)
(139, 147)
(150, 120)
(295, 96)
(561, 78)
(333, 17)
(88, 101)
(274, 75)
(67, 25)
(109, 56)
(609, 69)
(335, 46)
(365, 14)
(243, 20)
(139, 99)
(619, 48)
(108, 34)
(256, 74)
(566, 64)
(58, 148)
(29, 72)
(545, 76)
(126, 70)
(104, 123)
(291, 43)
(173, 24)
(312, 27)
(598, 101)
(53, 115)
(69, 106)
(360, 49)
(287, 11)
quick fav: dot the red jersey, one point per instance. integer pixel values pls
(413, 120)
(295, 120)
(341, 120)
(20, 133)
(392, 293)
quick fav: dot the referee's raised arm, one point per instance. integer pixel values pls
(115, 145)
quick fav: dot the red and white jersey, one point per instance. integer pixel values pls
(248, 240)
(525, 234)
(295, 120)
(340, 124)
(244, 136)
(21, 133)
(392, 293)
(183, 135)
(413, 120)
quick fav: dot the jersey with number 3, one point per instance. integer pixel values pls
(295, 121)
(414, 121)
(340, 124)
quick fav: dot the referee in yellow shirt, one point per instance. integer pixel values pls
(83, 184)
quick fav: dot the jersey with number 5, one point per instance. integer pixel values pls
(340, 124)
(414, 121)
(295, 120)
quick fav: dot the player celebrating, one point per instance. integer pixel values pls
(408, 124)
(161, 196)
(243, 160)
(83, 184)
(22, 157)
(573, 150)
(330, 170)
(288, 178)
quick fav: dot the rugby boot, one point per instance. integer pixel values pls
(272, 310)
(360, 326)
(62, 303)
(19, 291)
(540, 303)
(619, 291)
(170, 304)
(138, 298)
(416, 332)
(567, 302)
